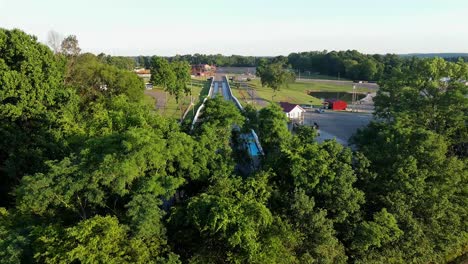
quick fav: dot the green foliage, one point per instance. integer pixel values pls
(213, 152)
(324, 171)
(430, 94)
(13, 240)
(122, 156)
(421, 186)
(94, 79)
(417, 167)
(272, 129)
(231, 223)
(70, 47)
(345, 64)
(162, 74)
(221, 113)
(28, 88)
(122, 63)
(382, 230)
(34, 107)
(182, 72)
(274, 75)
(95, 240)
(319, 242)
(90, 174)
(251, 118)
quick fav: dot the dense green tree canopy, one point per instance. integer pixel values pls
(162, 74)
(35, 107)
(430, 94)
(123, 63)
(94, 79)
(415, 165)
(89, 173)
(274, 75)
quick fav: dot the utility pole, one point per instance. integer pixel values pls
(191, 98)
(354, 97)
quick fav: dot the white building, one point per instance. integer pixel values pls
(294, 112)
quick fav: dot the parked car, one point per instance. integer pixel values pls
(319, 110)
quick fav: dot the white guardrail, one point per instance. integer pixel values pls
(238, 104)
(197, 114)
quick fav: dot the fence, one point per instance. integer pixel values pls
(238, 104)
(197, 114)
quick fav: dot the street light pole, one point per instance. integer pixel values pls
(354, 96)
(191, 98)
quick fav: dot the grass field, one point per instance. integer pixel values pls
(172, 108)
(319, 76)
(204, 89)
(296, 93)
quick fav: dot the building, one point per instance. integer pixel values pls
(144, 74)
(294, 112)
(203, 70)
(335, 104)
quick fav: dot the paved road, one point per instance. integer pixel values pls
(339, 125)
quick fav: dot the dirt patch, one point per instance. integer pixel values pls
(253, 95)
(159, 96)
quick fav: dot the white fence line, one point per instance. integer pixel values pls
(257, 141)
(236, 101)
(197, 114)
(238, 104)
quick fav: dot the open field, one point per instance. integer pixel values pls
(318, 76)
(362, 87)
(297, 93)
(168, 106)
(198, 98)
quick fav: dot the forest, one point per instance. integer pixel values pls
(90, 173)
(349, 64)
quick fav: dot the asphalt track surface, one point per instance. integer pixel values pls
(338, 125)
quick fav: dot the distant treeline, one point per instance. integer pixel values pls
(450, 56)
(218, 60)
(349, 64)
(352, 64)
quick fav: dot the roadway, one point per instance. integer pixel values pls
(339, 125)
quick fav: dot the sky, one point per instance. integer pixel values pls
(245, 27)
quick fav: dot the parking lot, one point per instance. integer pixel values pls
(339, 125)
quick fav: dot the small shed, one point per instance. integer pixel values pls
(335, 104)
(293, 111)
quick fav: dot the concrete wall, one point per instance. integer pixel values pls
(197, 114)
(238, 104)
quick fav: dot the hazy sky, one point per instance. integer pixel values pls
(246, 27)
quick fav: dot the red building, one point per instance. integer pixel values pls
(335, 104)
